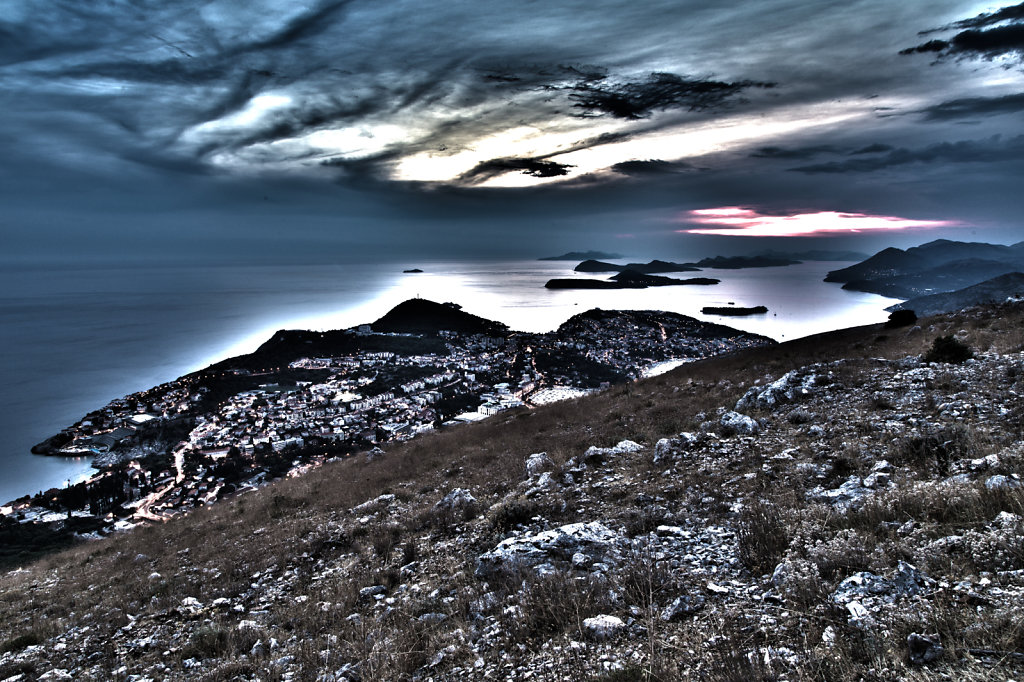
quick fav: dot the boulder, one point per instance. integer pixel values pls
(683, 606)
(594, 539)
(603, 626)
(669, 449)
(741, 424)
(538, 463)
(456, 500)
(923, 649)
(791, 386)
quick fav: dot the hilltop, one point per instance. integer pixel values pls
(843, 507)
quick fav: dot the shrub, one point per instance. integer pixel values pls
(762, 536)
(950, 350)
(506, 515)
(20, 642)
(207, 641)
(936, 448)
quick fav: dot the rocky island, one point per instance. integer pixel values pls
(654, 266)
(735, 311)
(627, 279)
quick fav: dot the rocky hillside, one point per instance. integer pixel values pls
(844, 507)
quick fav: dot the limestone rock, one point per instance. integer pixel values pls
(593, 539)
(603, 626)
(741, 424)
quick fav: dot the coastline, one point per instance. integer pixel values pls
(137, 327)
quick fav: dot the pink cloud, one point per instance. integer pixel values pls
(744, 222)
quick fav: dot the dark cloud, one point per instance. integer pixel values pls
(653, 167)
(983, 38)
(989, 150)
(1012, 13)
(974, 106)
(538, 168)
(659, 91)
(876, 148)
(773, 152)
(200, 113)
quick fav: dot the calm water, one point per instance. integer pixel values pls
(74, 339)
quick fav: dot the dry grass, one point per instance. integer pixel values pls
(288, 526)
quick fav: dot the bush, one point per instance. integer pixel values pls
(505, 516)
(950, 350)
(20, 642)
(762, 536)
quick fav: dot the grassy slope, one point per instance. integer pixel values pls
(217, 551)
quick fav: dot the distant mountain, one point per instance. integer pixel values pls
(584, 255)
(420, 316)
(994, 290)
(739, 262)
(651, 267)
(941, 265)
(816, 254)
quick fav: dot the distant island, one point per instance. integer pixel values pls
(412, 270)
(717, 262)
(627, 279)
(938, 266)
(653, 266)
(740, 262)
(816, 254)
(734, 311)
(584, 255)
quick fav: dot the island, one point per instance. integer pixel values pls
(627, 279)
(412, 270)
(733, 311)
(740, 262)
(647, 268)
(583, 255)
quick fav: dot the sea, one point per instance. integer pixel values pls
(74, 338)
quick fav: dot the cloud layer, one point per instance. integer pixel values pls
(273, 127)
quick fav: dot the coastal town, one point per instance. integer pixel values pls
(307, 397)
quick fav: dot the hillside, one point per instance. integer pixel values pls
(831, 508)
(937, 266)
(420, 316)
(995, 290)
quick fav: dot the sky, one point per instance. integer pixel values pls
(325, 131)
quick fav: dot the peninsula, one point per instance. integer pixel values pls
(305, 397)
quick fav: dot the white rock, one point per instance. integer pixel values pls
(734, 422)
(1000, 482)
(460, 498)
(603, 626)
(593, 539)
(538, 463)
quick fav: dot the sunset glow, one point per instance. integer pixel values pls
(744, 222)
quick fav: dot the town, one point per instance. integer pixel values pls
(304, 398)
